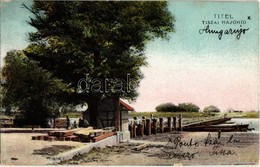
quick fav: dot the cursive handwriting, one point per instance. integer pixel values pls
(233, 140)
(177, 146)
(220, 33)
(177, 142)
(179, 155)
(210, 141)
(220, 151)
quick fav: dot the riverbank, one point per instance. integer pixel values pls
(186, 148)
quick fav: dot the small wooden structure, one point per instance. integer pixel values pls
(113, 113)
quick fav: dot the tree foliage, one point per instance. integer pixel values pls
(211, 108)
(167, 107)
(30, 88)
(182, 107)
(189, 107)
(103, 39)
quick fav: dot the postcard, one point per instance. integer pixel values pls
(136, 83)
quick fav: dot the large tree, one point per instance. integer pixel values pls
(32, 89)
(98, 39)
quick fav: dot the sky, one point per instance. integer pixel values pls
(189, 66)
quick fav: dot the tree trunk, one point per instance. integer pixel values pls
(93, 113)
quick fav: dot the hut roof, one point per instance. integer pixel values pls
(125, 105)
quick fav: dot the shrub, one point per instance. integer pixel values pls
(211, 108)
(167, 107)
(188, 107)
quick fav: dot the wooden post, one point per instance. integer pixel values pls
(120, 120)
(134, 130)
(131, 130)
(154, 126)
(180, 122)
(143, 121)
(174, 123)
(140, 130)
(161, 125)
(116, 114)
(148, 127)
(169, 124)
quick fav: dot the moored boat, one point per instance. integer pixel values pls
(219, 127)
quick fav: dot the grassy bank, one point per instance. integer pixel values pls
(243, 115)
(252, 115)
(194, 114)
(168, 114)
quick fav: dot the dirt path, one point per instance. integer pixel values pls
(19, 149)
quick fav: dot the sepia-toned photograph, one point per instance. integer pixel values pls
(129, 83)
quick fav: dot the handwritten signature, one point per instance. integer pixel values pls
(174, 145)
(230, 31)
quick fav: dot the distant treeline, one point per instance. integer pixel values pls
(182, 107)
(185, 107)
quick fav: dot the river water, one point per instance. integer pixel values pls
(253, 122)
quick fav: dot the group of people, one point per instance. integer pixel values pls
(83, 123)
(80, 124)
